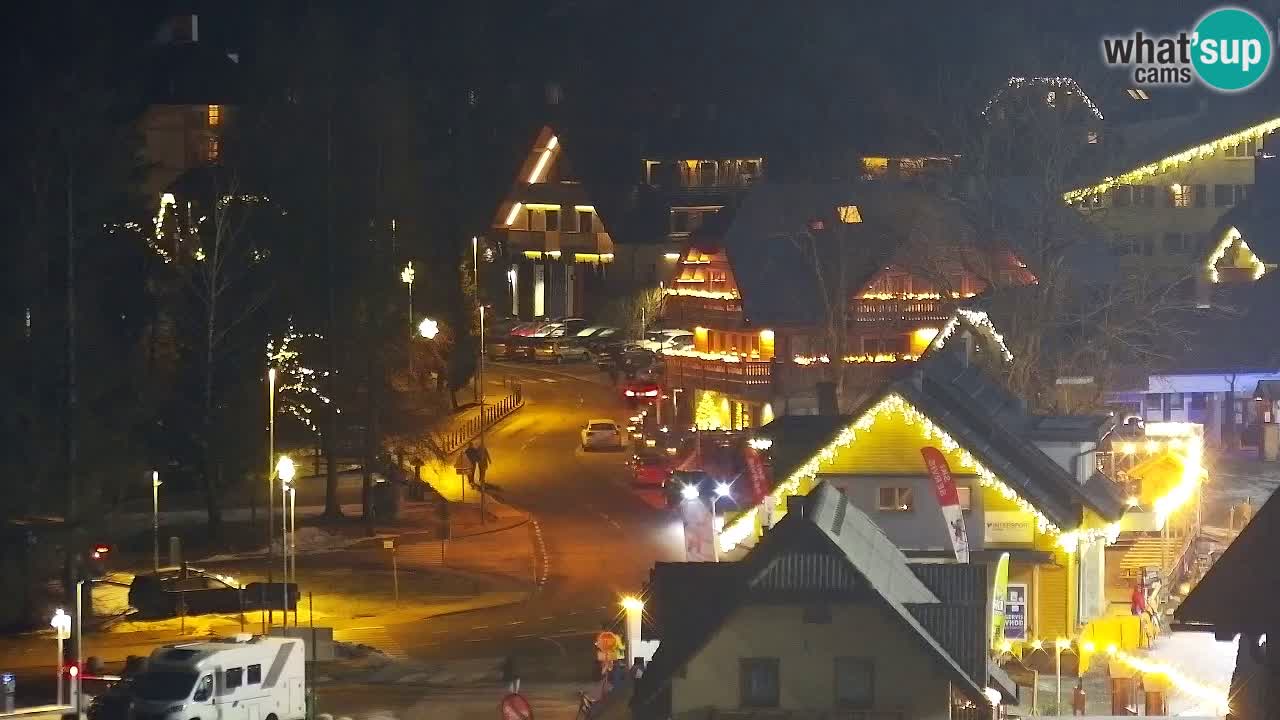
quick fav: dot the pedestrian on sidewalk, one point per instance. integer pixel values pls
(510, 675)
(1138, 600)
(473, 462)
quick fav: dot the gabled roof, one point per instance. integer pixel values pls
(827, 546)
(977, 413)
(1238, 593)
(776, 278)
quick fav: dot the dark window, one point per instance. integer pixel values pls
(707, 173)
(1144, 195)
(1223, 195)
(584, 221)
(1152, 401)
(679, 221)
(1175, 401)
(897, 499)
(553, 220)
(1197, 401)
(1148, 241)
(1172, 243)
(855, 683)
(232, 678)
(1244, 192)
(1122, 196)
(1200, 195)
(571, 223)
(817, 614)
(254, 674)
(759, 682)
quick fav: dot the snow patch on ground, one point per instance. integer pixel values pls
(1197, 655)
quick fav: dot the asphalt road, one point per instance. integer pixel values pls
(599, 536)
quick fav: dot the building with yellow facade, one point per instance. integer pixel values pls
(1029, 485)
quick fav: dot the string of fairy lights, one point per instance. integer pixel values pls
(295, 377)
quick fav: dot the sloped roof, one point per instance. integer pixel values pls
(826, 520)
(776, 278)
(1258, 220)
(1238, 593)
(979, 414)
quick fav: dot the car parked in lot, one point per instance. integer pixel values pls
(560, 351)
(659, 340)
(602, 434)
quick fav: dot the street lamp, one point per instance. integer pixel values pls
(271, 459)
(689, 492)
(429, 328)
(1058, 646)
(285, 470)
(61, 624)
(722, 491)
(406, 277)
(155, 521)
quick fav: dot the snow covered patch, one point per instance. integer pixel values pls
(1197, 655)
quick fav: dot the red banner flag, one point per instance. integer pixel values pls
(944, 487)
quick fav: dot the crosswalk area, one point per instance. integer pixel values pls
(374, 636)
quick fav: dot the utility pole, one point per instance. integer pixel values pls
(484, 454)
(271, 469)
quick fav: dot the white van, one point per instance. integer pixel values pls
(244, 678)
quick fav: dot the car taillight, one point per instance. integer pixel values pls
(651, 393)
(631, 393)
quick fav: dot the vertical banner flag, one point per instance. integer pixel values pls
(757, 476)
(699, 531)
(1015, 612)
(999, 591)
(949, 500)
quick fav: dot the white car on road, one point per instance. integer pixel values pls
(659, 340)
(599, 434)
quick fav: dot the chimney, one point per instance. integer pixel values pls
(795, 505)
(827, 404)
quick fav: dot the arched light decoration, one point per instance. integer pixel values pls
(1065, 83)
(978, 320)
(742, 526)
(1220, 251)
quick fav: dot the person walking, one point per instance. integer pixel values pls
(1138, 600)
(473, 463)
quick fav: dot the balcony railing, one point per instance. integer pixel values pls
(877, 310)
(688, 310)
(748, 376)
(569, 242)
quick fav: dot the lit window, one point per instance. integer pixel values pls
(215, 150)
(215, 115)
(1179, 195)
(896, 499)
(1051, 99)
(965, 494)
(874, 167)
(849, 214)
(1092, 137)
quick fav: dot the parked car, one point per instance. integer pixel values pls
(163, 594)
(560, 351)
(602, 434)
(651, 467)
(527, 329)
(599, 337)
(659, 340)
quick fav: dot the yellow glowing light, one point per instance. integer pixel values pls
(593, 257)
(1006, 646)
(979, 320)
(1171, 162)
(1228, 239)
(766, 336)
(1037, 644)
(1132, 501)
(585, 208)
(1062, 643)
(849, 214)
(744, 524)
(553, 254)
(671, 256)
(1205, 693)
(215, 115)
(913, 296)
(406, 275)
(925, 335)
(536, 175)
(1126, 448)
(708, 294)
(1111, 649)
(760, 443)
(631, 603)
(285, 468)
(511, 216)
(1088, 646)
(1151, 446)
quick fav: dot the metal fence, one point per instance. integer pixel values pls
(489, 416)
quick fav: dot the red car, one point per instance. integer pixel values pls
(651, 468)
(641, 390)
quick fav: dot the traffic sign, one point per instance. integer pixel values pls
(515, 707)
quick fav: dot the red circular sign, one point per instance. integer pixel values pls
(515, 707)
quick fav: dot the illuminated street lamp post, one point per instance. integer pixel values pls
(429, 328)
(155, 521)
(61, 624)
(722, 491)
(1058, 646)
(406, 277)
(271, 460)
(475, 267)
(285, 469)
(634, 608)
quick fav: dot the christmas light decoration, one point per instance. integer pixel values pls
(913, 296)
(1220, 251)
(708, 294)
(980, 321)
(1204, 150)
(296, 378)
(167, 200)
(1064, 83)
(1217, 697)
(893, 403)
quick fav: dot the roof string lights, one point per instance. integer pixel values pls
(1220, 251)
(1064, 83)
(708, 294)
(156, 242)
(742, 526)
(980, 321)
(1171, 162)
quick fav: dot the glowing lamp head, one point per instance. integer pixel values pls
(1006, 646)
(1132, 501)
(722, 490)
(1037, 644)
(689, 492)
(73, 671)
(631, 603)
(1062, 643)
(1088, 647)
(406, 275)
(1111, 649)
(428, 328)
(285, 469)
